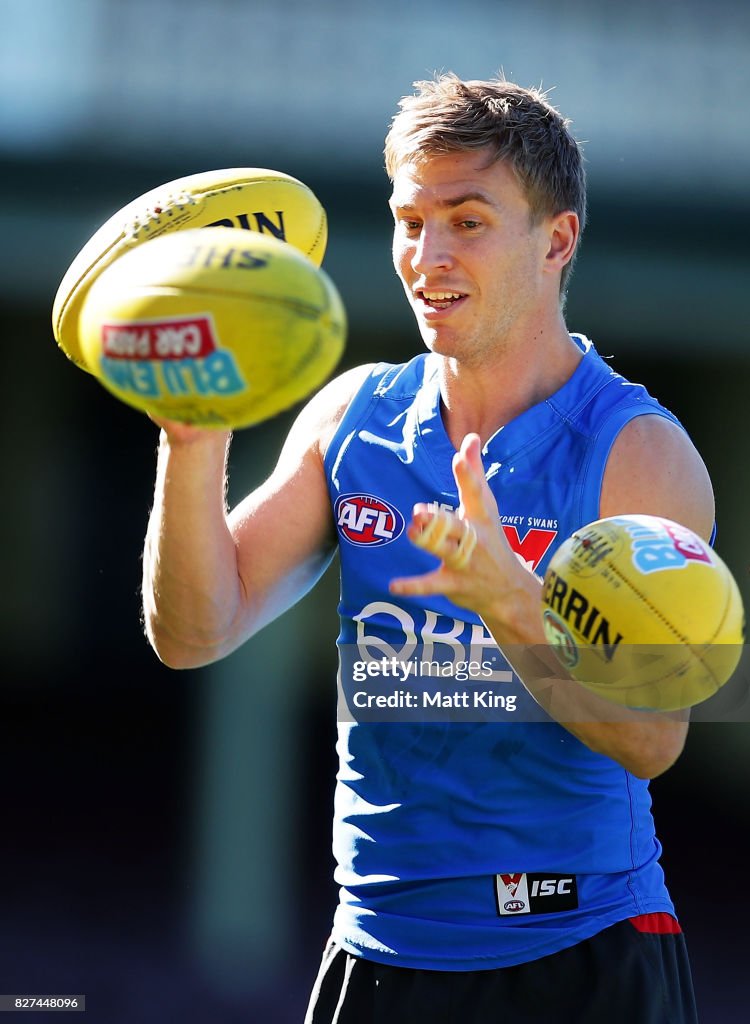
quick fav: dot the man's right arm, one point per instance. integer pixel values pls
(211, 578)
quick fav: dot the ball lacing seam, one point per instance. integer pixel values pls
(152, 216)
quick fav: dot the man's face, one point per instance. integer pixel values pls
(469, 258)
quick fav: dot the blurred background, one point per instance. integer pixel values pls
(166, 846)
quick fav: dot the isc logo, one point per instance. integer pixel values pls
(551, 886)
(368, 520)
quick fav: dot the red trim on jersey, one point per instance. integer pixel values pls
(656, 924)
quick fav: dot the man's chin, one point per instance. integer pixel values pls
(441, 342)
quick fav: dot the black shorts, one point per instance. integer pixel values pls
(620, 976)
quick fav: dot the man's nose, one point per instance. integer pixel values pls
(432, 252)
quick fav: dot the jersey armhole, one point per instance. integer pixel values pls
(371, 388)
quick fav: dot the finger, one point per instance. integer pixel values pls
(469, 473)
(444, 535)
(455, 546)
(461, 557)
(477, 500)
(434, 530)
(419, 586)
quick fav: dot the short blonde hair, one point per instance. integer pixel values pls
(512, 123)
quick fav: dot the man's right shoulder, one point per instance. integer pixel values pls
(325, 410)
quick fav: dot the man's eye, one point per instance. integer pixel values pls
(470, 224)
(411, 225)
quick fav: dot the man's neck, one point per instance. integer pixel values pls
(484, 398)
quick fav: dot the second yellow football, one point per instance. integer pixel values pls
(213, 327)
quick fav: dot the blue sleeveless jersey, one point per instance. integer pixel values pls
(472, 844)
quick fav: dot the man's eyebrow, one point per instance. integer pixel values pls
(453, 201)
(468, 197)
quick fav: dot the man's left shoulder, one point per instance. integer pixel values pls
(654, 468)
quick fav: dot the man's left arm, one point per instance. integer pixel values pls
(654, 469)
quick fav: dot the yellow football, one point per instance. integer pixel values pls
(212, 327)
(643, 612)
(254, 198)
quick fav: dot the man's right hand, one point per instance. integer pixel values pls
(187, 433)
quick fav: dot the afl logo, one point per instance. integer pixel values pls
(367, 520)
(513, 906)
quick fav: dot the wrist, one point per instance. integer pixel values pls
(174, 435)
(515, 615)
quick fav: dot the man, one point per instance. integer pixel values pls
(489, 871)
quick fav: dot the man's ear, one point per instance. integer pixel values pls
(564, 229)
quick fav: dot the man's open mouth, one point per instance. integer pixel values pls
(438, 299)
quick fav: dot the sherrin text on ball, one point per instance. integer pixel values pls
(643, 612)
(213, 327)
(254, 198)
